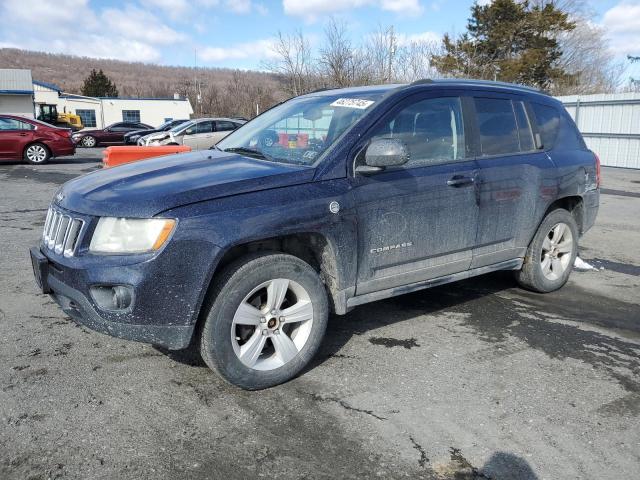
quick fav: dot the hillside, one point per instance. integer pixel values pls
(149, 80)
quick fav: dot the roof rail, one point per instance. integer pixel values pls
(488, 83)
(422, 81)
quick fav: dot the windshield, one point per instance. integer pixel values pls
(300, 130)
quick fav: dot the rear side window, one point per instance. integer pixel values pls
(548, 119)
(498, 126)
(13, 124)
(224, 126)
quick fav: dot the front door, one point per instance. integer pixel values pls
(418, 221)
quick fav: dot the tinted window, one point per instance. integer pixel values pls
(498, 127)
(204, 127)
(13, 124)
(548, 120)
(225, 126)
(525, 132)
(432, 129)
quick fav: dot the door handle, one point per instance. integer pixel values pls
(459, 181)
(22, 134)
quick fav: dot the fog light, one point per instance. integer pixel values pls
(115, 297)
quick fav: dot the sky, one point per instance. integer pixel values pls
(238, 33)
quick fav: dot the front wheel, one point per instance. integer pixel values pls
(551, 254)
(266, 322)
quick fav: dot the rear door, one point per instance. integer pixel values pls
(418, 221)
(514, 176)
(14, 136)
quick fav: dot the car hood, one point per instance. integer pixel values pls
(146, 131)
(149, 187)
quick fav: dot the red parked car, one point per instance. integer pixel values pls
(32, 140)
(114, 133)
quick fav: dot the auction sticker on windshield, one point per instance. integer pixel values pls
(352, 103)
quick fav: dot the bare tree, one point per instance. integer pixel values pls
(413, 61)
(292, 62)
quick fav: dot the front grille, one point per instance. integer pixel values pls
(61, 232)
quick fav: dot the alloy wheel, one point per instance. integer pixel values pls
(557, 249)
(89, 142)
(36, 153)
(272, 324)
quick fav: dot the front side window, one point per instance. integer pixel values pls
(300, 130)
(132, 116)
(432, 129)
(498, 127)
(204, 127)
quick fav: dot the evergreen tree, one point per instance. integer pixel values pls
(97, 84)
(508, 40)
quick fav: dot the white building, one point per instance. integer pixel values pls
(610, 125)
(16, 92)
(98, 112)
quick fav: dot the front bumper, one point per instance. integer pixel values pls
(167, 288)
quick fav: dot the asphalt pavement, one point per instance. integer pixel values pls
(477, 379)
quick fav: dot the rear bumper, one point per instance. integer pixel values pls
(591, 203)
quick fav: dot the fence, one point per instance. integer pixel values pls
(610, 124)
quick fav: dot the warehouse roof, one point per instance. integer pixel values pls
(16, 82)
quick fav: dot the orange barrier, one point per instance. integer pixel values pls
(113, 156)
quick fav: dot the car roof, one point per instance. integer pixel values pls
(429, 83)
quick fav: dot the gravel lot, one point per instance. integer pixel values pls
(477, 379)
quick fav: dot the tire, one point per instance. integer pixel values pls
(551, 254)
(36, 154)
(89, 141)
(240, 314)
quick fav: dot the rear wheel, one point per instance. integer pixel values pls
(266, 322)
(89, 141)
(37, 154)
(551, 254)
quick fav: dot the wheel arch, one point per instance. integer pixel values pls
(574, 204)
(312, 247)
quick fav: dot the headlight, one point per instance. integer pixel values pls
(130, 235)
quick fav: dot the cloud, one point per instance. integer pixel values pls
(622, 24)
(259, 50)
(424, 37)
(239, 6)
(73, 27)
(310, 10)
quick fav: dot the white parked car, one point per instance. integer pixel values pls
(199, 134)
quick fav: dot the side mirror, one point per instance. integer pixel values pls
(382, 153)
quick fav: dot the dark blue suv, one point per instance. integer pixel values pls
(361, 194)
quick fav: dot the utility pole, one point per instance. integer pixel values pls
(635, 82)
(392, 52)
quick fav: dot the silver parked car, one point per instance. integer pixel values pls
(199, 134)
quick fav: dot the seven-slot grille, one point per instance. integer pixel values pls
(61, 232)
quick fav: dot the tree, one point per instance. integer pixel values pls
(97, 84)
(292, 61)
(509, 40)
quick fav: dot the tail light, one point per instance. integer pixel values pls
(598, 173)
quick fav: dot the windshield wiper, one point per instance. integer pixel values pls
(250, 152)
